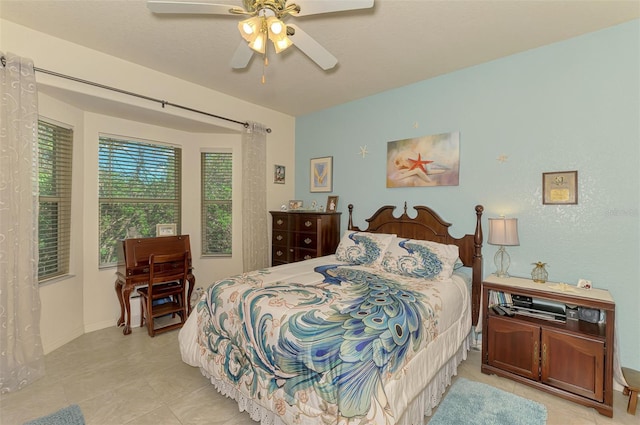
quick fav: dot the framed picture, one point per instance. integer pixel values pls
(321, 177)
(166, 229)
(425, 161)
(295, 204)
(560, 188)
(278, 174)
(332, 203)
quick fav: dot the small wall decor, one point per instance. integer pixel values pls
(166, 229)
(295, 204)
(321, 178)
(278, 174)
(332, 204)
(560, 188)
(424, 161)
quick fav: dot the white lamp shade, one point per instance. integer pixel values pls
(503, 231)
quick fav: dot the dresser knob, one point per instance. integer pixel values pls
(279, 237)
(308, 223)
(307, 257)
(308, 241)
(279, 253)
(280, 221)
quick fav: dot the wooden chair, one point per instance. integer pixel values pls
(167, 280)
(632, 389)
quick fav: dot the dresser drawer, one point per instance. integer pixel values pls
(304, 254)
(305, 240)
(280, 238)
(305, 223)
(281, 255)
(280, 222)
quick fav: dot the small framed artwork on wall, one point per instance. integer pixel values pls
(332, 204)
(321, 178)
(279, 174)
(560, 188)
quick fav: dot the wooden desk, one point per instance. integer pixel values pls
(133, 269)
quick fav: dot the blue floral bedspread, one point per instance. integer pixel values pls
(317, 350)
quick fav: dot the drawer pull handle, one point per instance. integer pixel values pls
(279, 253)
(308, 223)
(279, 237)
(536, 353)
(544, 354)
(280, 221)
(307, 257)
(308, 241)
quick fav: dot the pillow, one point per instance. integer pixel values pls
(363, 248)
(422, 259)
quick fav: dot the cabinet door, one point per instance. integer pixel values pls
(513, 346)
(573, 363)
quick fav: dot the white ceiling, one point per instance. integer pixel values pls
(397, 42)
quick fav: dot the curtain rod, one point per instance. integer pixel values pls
(164, 103)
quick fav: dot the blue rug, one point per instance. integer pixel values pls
(469, 402)
(71, 415)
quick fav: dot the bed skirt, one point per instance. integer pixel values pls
(414, 414)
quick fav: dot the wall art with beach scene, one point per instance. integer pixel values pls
(424, 161)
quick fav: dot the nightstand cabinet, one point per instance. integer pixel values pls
(572, 359)
(302, 235)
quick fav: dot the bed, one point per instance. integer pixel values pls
(371, 334)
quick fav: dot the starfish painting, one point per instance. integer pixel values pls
(419, 163)
(363, 151)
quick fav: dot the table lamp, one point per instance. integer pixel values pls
(503, 232)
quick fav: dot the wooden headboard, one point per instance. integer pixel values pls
(427, 225)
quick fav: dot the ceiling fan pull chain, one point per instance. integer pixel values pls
(264, 65)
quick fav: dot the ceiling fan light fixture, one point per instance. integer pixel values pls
(275, 25)
(282, 44)
(278, 34)
(259, 43)
(250, 27)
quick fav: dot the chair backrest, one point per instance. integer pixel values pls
(168, 268)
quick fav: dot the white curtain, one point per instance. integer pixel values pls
(21, 353)
(255, 240)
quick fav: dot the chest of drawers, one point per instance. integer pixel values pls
(298, 236)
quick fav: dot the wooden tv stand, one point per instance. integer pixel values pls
(572, 359)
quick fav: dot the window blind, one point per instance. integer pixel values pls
(55, 151)
(139, 187)
(216, 178)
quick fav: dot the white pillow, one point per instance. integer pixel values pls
(363, 248)
(418, 258)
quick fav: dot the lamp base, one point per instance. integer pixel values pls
(502, 262)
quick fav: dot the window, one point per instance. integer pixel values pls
(139, 187)
(216, 203)
(55, 149)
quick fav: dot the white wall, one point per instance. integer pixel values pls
(86, 300)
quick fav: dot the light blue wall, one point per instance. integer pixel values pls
(573, 105)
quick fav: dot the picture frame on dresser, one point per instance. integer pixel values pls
(295, 204)
(332, 204)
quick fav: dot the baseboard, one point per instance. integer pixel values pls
(49, 346)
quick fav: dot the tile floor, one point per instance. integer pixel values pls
(138, 380)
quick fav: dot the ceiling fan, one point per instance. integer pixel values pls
(266, 21)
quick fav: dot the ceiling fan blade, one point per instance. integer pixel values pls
(242, 56)
(161, 6)
(312, 48)
(315, 7)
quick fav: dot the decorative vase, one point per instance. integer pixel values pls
(539, 273)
